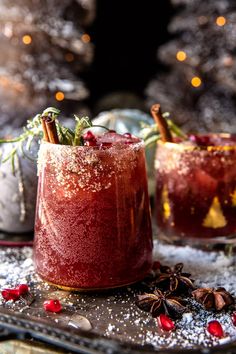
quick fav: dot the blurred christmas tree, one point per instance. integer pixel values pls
(44, 48)
(200, 87)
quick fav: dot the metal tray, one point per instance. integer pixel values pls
(117, 325)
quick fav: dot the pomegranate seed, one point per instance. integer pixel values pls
(89, 136)
(90, 143)
(215, 328)
(165, 323)
(199, 140)
(105, 145)
(156, 265)
(10, 294)
(127, 135)
(22, 289)
(234, 318)
(52, 305)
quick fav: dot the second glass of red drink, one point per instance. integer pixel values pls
(196, 189)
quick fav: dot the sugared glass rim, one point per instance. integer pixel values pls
(140, 143)
(180, 146)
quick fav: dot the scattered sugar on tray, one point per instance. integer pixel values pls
(190, 330)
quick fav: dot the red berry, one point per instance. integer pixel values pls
(200, 140)
(105, 145)
(52, 305)
(156, 265)
(90, 143)
(165, 323)
(129, 142)
(234, 318)
(22, 289)
(215, 328)
(10, 294)
(89, 136)
(127, 135)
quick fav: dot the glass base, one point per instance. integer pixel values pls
(68, 288)
(220, 242)
(16, 240)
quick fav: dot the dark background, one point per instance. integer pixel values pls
(126, 35)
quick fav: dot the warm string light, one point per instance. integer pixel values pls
(86, 38)
(26, 39)
(69, 57)
(181, 55)
(196, 81)
(221, 21)
(59, 96)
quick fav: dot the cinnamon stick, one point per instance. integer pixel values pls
(45, 133)
(161, 123)
(50, 130)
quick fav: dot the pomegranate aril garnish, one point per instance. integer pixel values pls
(105, 145)
(10, 294)
(215, 329)
(165, 323)
(15, 293)
(128, 142)
(127, 135)
(234, 318)
(90, 143)
(199, 140)
(22, 289)
(89, 136)
(52, 306)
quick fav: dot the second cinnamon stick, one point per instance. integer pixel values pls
(161, 123)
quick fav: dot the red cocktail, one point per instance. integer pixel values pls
(93, 227)
(196, 188)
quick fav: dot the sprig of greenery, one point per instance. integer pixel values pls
(23, 142)
(150, 133)
(34, 130)
(81, 124)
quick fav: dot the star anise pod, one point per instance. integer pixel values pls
(212, 298)
(174, 279)
(159, 302)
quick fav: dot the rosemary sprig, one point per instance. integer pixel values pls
(81, 124)
(34, 131)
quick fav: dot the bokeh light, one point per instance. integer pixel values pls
(27, 39)
(196, 81)
(181, 55)
(59, 96)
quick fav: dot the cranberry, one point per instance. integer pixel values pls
(10, 294)
(156, 265)
(234, 318)
(52, 306)
(89, 136)
(22, 289)
(215, 328)
(128, 135)
(105, 145)
(165, 323)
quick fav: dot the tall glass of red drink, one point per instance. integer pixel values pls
(196, 189)
(93, 228)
